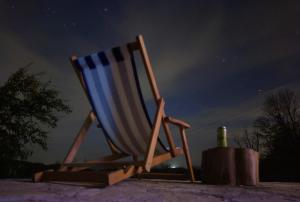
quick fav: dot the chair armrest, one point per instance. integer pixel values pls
(177, 122)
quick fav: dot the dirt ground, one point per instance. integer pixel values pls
(145, 190)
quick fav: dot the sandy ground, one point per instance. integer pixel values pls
(145, 190)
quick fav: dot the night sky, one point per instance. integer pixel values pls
(214, 61)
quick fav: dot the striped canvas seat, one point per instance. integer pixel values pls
(111, 82)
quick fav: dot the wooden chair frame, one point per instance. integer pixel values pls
(69, 171)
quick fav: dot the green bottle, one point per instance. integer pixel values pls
(222, 136)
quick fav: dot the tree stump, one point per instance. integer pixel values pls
(247, 166)
(218, 166)
(227, 165)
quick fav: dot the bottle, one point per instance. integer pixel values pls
(222, 137)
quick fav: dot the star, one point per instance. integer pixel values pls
(74, 24)
(50, 12)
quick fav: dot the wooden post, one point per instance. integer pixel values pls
(169, 136)
(153, 140)
(148, 66)
(154, 89)
(79, 138)
(187, 153)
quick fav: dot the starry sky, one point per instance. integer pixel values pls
(214, 61)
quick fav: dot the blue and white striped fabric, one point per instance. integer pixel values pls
(113, 90)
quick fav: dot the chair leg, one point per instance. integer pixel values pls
(79, 139)
(187, 154)
(169, 137)
(154, 135)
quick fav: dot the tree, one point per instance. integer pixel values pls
(280, 124)
(251, 140)
(277, 132)
(28, 109)
(278, 129)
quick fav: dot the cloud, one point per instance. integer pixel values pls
(197, 50)
(174, 46)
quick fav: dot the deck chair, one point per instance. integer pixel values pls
(109, 79)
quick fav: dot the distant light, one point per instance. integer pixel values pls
(173, 166)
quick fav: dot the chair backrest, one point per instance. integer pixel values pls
(112, 85)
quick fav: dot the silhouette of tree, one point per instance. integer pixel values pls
(280, 124)
(278, 129)
(252, 140)
(28, 109)
(277, 136)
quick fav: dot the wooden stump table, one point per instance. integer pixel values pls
(232, 166)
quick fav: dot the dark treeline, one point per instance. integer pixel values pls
(29, 107)
(276, 135)
(22, 169)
